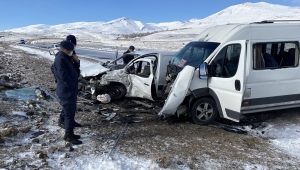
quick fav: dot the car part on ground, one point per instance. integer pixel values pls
(104, 98)
(143, 104)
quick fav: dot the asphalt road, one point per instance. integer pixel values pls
(89, 53)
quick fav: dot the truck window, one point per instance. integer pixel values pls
(193, 54)
(143, 69)
(275, 55)
(226, 62)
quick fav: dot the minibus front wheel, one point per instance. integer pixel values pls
(204, 111)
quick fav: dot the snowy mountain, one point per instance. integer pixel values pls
(253, 12)
(90, 29)
(241, 13)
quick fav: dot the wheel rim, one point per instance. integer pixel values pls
(115, 91)
(204, 111)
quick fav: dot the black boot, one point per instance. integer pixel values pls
(75, 136)
(77, 124)
(70, 137)
(61, 124)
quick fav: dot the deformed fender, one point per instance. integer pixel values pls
(119, 76)
(115, 76)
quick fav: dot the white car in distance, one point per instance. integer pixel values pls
(54, 48)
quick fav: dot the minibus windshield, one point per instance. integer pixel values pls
(193, 54)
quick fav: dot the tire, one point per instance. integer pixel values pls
(116, 91)
(204, 111)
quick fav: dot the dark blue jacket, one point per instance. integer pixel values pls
(77, 65)
(66, 74)
(128, 58)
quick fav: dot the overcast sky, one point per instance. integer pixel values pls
(20, 13)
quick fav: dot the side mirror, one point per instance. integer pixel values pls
(203, 72)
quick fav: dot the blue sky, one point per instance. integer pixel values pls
(20, 13)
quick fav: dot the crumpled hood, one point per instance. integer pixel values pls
(93, 70)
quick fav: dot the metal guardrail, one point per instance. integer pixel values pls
(31, 46)
(52, 52)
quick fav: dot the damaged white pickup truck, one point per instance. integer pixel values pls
(143, 77)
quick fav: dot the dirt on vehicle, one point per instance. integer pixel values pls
(31, 128)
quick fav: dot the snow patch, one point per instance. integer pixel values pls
(3, 119)
(100, 162)
(286, 138)
(19, 113)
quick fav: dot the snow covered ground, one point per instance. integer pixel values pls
(282, 135)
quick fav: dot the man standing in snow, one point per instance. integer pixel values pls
(128, 58)
(76, 63)
(66, 74)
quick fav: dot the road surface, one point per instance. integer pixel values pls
(88, 53)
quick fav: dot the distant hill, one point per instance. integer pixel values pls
(241, 13)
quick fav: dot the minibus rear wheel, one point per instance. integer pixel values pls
(204, 111)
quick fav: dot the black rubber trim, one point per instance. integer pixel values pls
(189, 104)
(233, 114)
(200, 92)
(215, 96)
(271, 100)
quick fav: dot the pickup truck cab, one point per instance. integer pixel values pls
(142, 77)
(237, 69)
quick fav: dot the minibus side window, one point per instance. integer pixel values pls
(225, 64)
(275, 55)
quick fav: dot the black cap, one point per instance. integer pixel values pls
(72, 39)
(131, 47)
(67, 45)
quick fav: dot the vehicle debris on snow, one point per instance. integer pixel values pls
(104, 98)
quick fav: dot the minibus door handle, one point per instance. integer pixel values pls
(237, 85)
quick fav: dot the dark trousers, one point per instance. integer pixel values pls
(68, 112)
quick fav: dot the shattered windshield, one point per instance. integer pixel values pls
(193, 54)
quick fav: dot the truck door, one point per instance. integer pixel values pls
(141, 78)
(226, 83)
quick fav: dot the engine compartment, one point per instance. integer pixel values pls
(172, 73)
